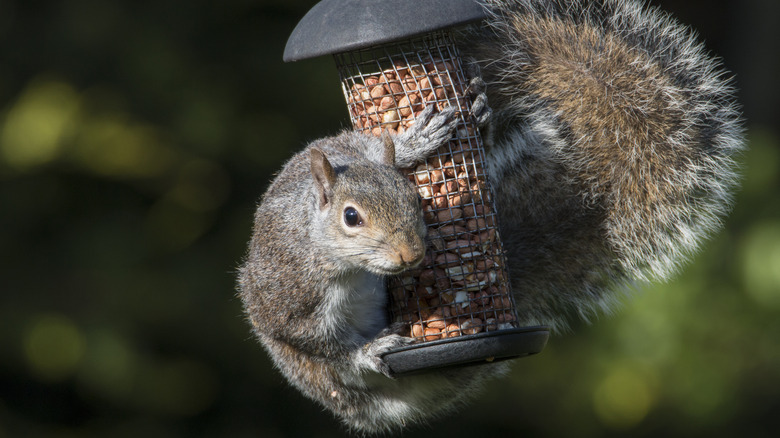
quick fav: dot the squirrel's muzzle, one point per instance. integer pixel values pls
(410, 254)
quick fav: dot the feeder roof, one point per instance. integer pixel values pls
(335, 26)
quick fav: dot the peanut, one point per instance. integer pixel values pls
(449, 215)
(417, 330)
(377, 91)
(449, 232)
(436, 321)
(440, 202)
(432, 334)
(447, 260)
(471, 326)
(391, 118)
(459, 199)
(428, 276)
(425, 292)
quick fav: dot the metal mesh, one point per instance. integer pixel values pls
(461, 287)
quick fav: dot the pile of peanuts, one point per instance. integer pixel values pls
(461, 287)
(391, 100)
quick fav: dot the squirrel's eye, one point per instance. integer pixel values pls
(352, 217)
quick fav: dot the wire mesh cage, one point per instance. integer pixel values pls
(462, 287)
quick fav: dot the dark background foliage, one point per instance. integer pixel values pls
(135, 139)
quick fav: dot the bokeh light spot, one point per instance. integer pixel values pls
(115, 145)
(36, 124)
(110, 365)
(53, 347)
(761, 264)
(623, 398)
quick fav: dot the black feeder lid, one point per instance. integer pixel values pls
(336, 26)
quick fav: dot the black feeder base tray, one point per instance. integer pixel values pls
(467, 350)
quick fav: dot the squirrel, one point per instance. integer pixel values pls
(611, 141)
(333, 225)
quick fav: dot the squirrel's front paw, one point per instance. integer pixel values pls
(430, 131)
(480, 110)
(437, 128)
(374, 350)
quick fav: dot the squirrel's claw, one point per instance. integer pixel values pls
(382, 344)
(396, 328)
(480, 110)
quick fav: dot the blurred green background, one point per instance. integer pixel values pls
(135, 139)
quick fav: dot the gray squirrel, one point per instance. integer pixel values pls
(611, 138)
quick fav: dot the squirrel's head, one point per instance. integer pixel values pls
(373, 215)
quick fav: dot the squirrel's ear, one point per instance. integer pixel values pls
(388, 154)
(323, 175)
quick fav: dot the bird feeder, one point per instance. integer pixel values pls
(395, 58)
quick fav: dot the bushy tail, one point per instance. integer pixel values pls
(641, 120)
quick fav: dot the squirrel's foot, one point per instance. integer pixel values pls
(430, 131)
(480, 110)
(386, 341)
(396, 328)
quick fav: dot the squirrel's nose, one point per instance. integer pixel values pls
(411, 255)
